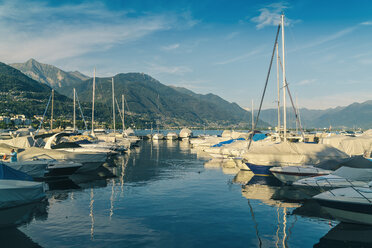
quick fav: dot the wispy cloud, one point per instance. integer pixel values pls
(232, 35)
(171, 47)
(240, 57)
(155, 69)
(270, 15)
(52, 33)
(368, 23)
(306, 82)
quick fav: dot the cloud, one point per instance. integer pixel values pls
(306, 82)
(270, 15)
(171, 47)
(156, 69)
(50, 33)
(232, 35)
(239, 58)
(369, 23)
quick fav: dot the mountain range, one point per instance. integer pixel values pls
(147, 100)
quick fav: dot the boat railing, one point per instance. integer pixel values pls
(360, 193)
(330, 183)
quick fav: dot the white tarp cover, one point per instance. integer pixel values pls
(16, 192)
(20, 142)
(350, 145)
(354, 174)
(282, 154)
(185, 133)
(34, 153)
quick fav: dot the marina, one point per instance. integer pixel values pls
(102, 154)
(161, 194)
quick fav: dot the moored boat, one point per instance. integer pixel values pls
(352, 204)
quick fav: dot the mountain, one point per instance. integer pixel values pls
(356, 115)
(50, 75)
(23, 95)
(148, 99)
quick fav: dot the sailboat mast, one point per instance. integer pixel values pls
(122, 119)
(94, 89)
(252, 116)
(51, 119)
(278, 82)
(284, 83)
(113, 104)
(74, 110)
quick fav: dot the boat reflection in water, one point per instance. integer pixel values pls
(12, 218)
(347, 235)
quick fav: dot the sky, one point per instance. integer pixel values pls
(208, 46)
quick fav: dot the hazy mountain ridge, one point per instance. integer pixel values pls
(355, 115)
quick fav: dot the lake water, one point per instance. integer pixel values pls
(162, 195)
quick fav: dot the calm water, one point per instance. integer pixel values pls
(164, 196)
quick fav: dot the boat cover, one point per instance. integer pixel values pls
(352, 146)
(281, 154)
(8, 173)
(226, 142)
(33, 153)
(185, 132)
(354, 174)
(35, 169)
(17, 192)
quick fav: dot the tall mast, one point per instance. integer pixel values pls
(113, 104)
(284, 84)
(74, 110)
(51, 119)
(122, 118)
(252, 116)
(278, 81)
(94, 89)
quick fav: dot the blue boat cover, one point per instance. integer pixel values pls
(259, 136)
(11, 174)
(226, 142)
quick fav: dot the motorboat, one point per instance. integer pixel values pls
(34, 168)
(290, 174)
(351, 204)
(172, 136)
(158, 136)
(17, 188)
(185, 133)
(342, 177)
(62, 169)
(263, 156)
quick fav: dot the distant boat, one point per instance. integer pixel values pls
(185, 133)
(172, 136)
(158, 136)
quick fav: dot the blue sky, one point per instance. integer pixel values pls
(220, 47)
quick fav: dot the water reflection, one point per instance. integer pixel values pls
(163, 196)
(347, 235)
(12, 218)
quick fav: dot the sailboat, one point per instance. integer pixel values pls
(288, 151)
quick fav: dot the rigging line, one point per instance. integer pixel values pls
(293, 106)
(127, 104)
(42, 120)
(264, 91)
(81, 111)
(120, 114)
